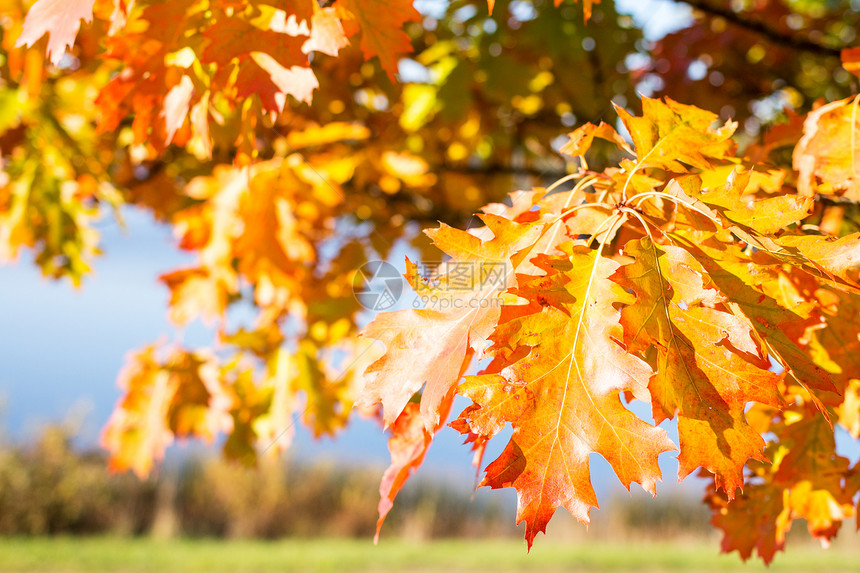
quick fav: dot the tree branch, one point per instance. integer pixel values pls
(760, 27)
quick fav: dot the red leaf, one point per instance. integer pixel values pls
(381, 24)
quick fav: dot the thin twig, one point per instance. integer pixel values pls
(795, 42)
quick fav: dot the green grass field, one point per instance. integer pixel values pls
(180, 556)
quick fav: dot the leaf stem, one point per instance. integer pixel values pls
(636, 168)
(563, 180)
(588, 181)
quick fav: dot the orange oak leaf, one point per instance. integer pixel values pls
(562, 396)
(432, 347)
(158, 94)
(849, 410)
(827, 157)
(177, 103)
(303, 10)
(195, 292)
(772, 214)
(179, 396)
(272, 251)
(555, 211)
(814, 475)
(60, 19)
(835, 346)
(422, 347)
(781, 329)
(670, 134)
(582, 138)
(808, 480)
(707, 365)
(823, 508)
(839, 258)
(381, 25)
(408, 444)
(765, 216)
(272, 82)
(270, 64)
(246, 226)
(231, 38)
(755, 520)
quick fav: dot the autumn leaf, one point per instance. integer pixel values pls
(60, 19)
(272, 248)
(433, 347)
(808, 480)
(669, 134)
(815, 474)
(781, 329)
(408, 444)
(707, 366)
(755, 520)
(194, 292)
(164, 399)
(236, 38)
(835, 344)
(765, 216)
(177, 104)
(270, 64)
(158, 93)
(839, 257)
(730, 203)
(563, 397)
(581, 139)
(381, 25)
(849, 411)
(827, 157)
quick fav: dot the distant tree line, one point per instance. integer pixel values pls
(49, 487)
